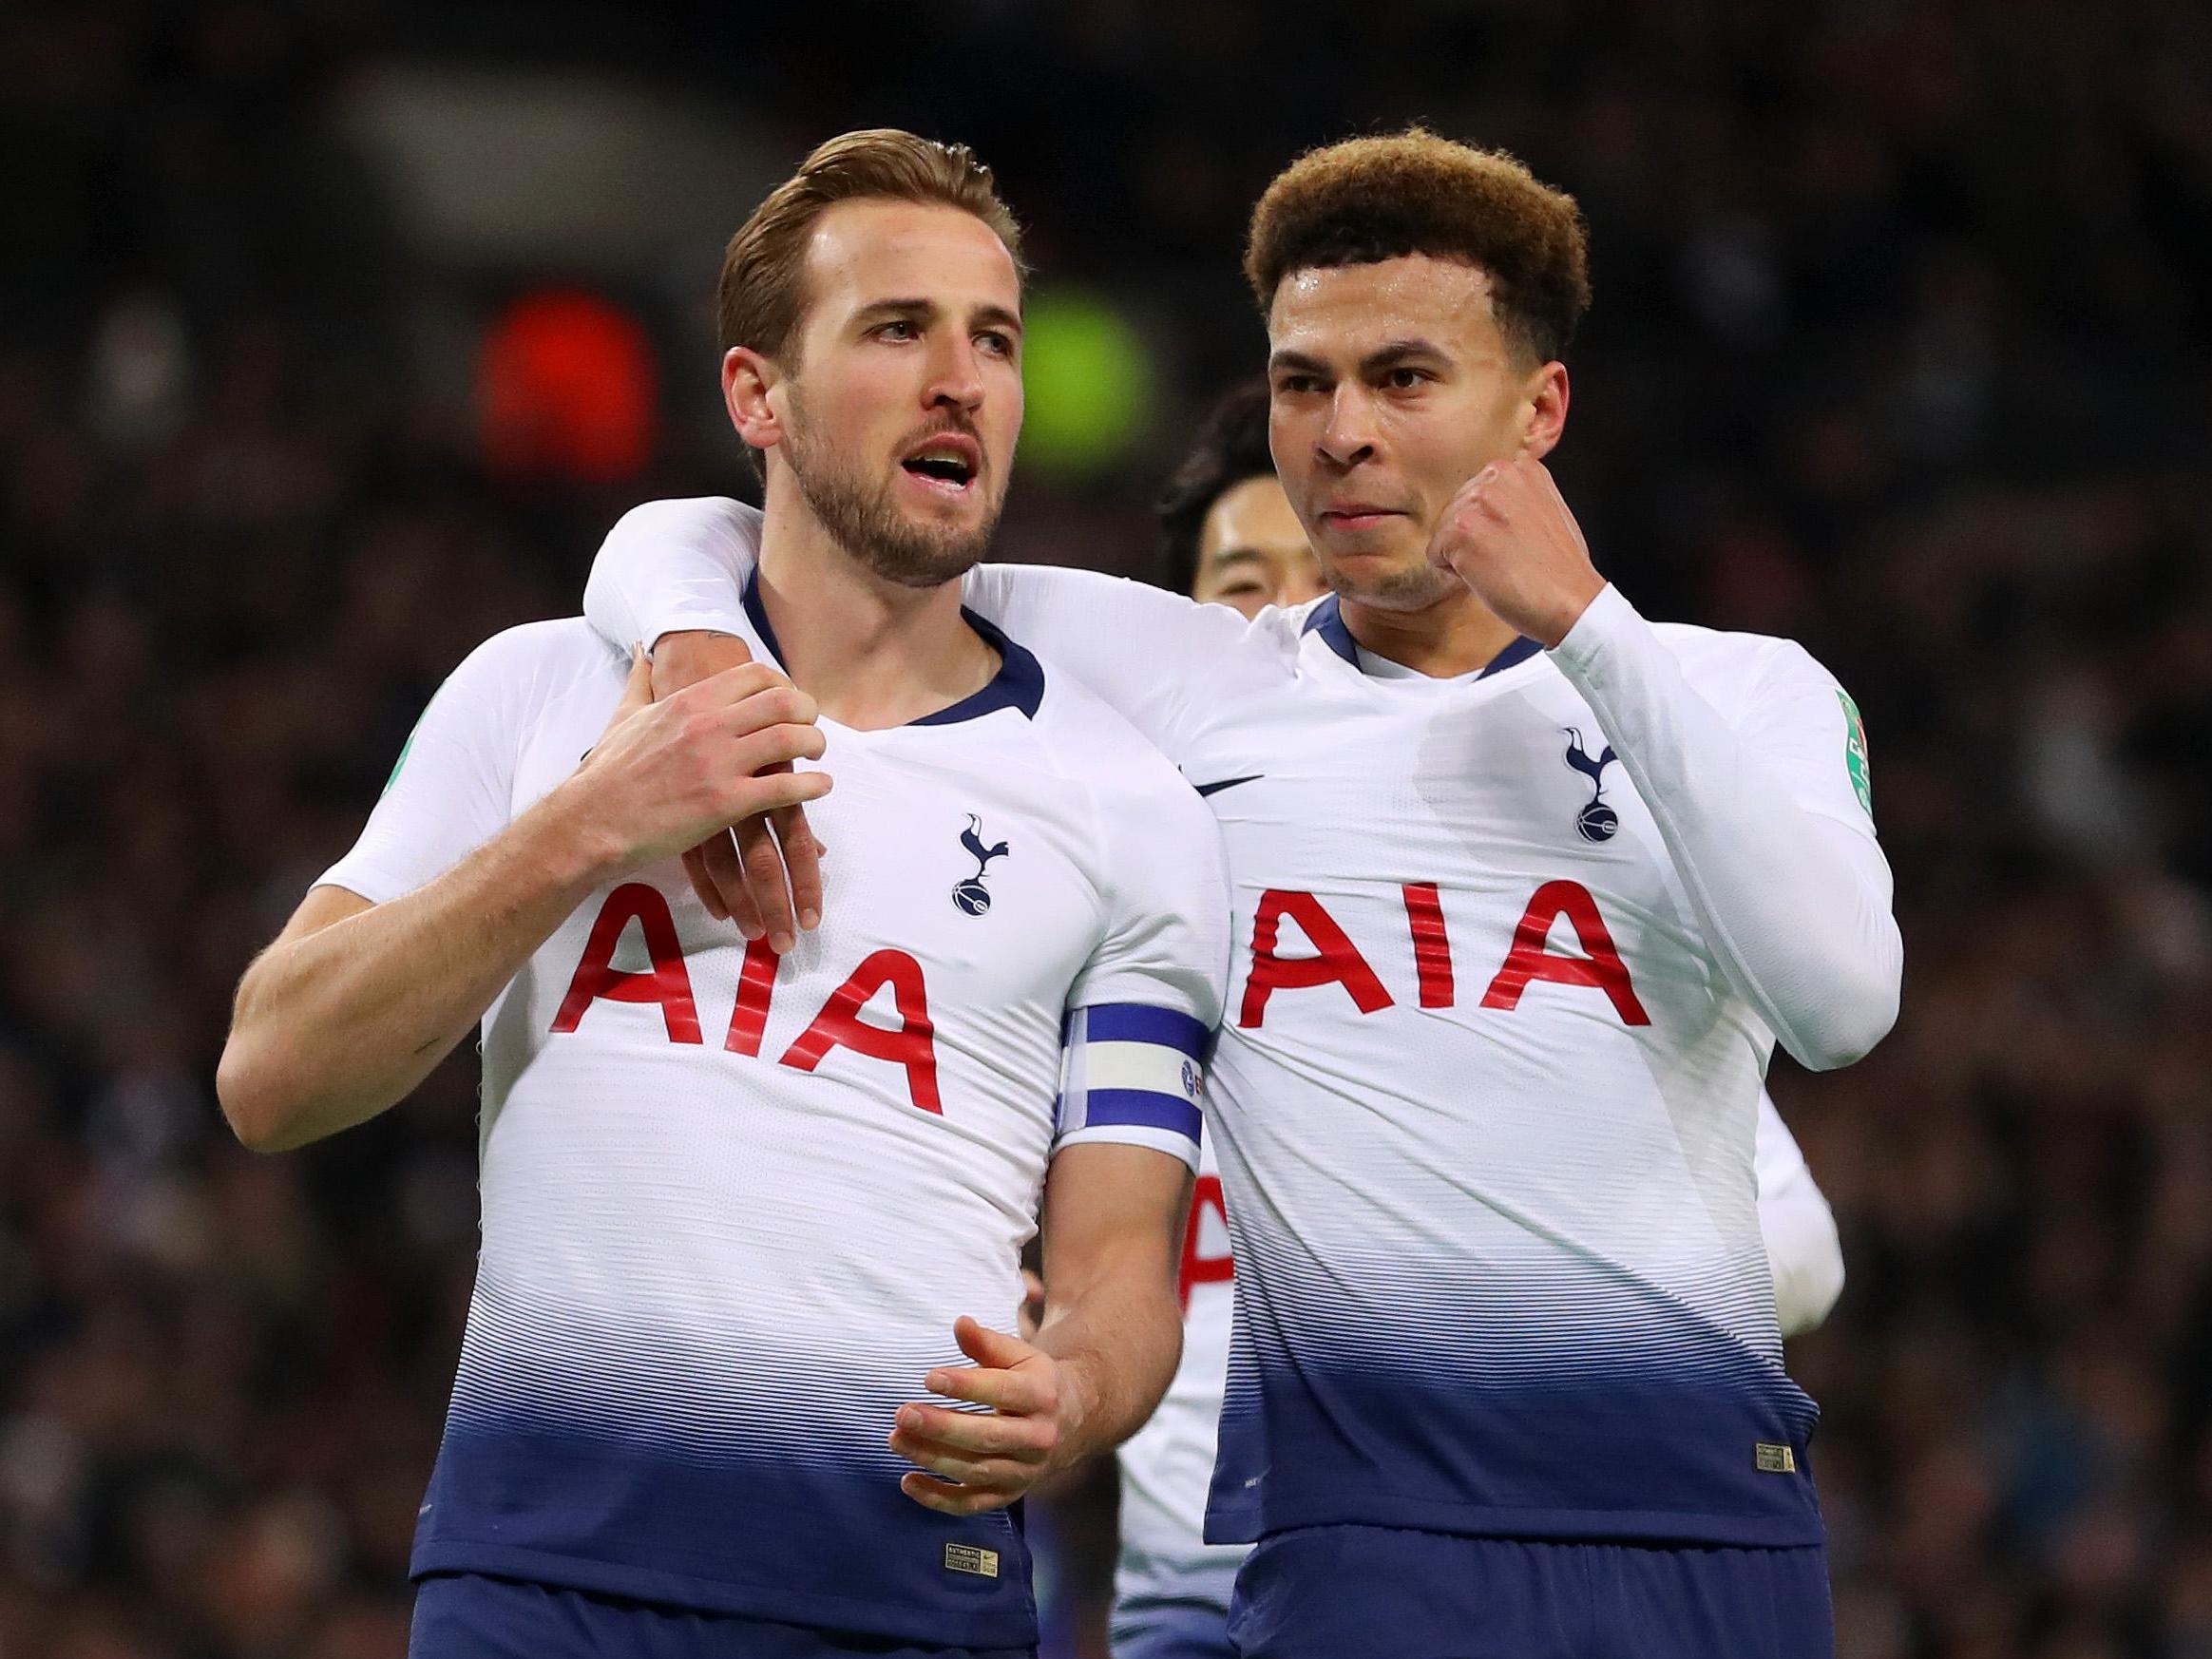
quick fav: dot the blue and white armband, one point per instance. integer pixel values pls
(1132, 1074)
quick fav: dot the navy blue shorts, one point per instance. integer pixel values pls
(1389, 1592)
(473, 1615)
(1171, 1629)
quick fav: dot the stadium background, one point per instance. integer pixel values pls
(333, 335)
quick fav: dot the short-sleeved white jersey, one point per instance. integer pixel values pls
(732, 1203)
(1498, 1018)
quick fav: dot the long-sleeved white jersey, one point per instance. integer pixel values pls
(732, 1202)
(1166, 1466)
(1508, 955)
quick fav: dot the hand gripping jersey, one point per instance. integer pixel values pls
(732, 1203)
(1509, 954)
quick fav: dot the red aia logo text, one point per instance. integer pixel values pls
(1336, 961)
(838, 1025)
(1199, 1268)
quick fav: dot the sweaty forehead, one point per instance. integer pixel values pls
(1347, 311)
(861, 252)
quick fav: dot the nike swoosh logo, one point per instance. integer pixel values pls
(1227, 783)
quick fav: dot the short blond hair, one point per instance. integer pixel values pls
(1372, 199)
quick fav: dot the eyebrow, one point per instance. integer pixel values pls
(915, 308)
(1383, 357)
(1398, 351)
(922, 309)
(1224, 557)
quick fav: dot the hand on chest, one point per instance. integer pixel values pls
(955, 917)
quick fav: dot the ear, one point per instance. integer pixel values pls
(748, 378)
(1544, 395)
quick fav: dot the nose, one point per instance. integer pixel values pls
(956, 379)
(1349, 436)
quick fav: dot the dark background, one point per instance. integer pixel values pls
(1899, 348)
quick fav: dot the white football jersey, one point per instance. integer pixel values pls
(1510, 952)
(733, 1203)
(1166, 1466)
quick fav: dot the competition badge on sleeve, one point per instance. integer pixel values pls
(1854, 751)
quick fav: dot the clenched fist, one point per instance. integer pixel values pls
(1509, 536)
(768, 881)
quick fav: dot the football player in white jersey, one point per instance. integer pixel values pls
(1526, 889)
(1229, 535)
(743, 1205)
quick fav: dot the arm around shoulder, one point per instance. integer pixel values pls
(673, 567)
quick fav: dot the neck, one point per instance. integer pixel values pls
(1457, 635)
(872, 653)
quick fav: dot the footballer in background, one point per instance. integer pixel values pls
(1229, 536)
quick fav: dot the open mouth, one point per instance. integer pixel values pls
(946, 464)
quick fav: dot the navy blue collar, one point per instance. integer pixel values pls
(1019, 684)
(1328, 619)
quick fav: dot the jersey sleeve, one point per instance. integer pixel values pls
(672, 566)
(1797, 1227)
(1763, 811)
(1157, 659)
(452, 788)
(1141, 1014)
(1161, 661)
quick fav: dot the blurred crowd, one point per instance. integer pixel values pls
(1899, 348)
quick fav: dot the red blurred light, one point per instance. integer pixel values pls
(568, 385)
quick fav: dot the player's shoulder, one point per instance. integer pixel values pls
(1093, 748)
(1084, 738)
(1723, 660)
(1177, 632)
(555, 640)
(559, 648)
(525, 670)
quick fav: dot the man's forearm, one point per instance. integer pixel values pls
(334, 1025)
(1117, 1348)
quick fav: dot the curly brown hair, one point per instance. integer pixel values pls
(760, 298)
(1367, 200)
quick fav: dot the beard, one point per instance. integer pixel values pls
(1412, 587)
(866, 521)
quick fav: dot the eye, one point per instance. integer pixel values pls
(1405, 379)
(998, 344)
(1296, 384)
(897, 328)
